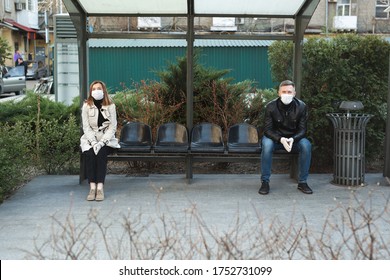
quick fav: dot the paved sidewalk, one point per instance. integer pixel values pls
(49, 207)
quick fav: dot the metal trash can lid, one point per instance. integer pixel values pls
(351, 105)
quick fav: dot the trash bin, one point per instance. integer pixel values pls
(349, 144)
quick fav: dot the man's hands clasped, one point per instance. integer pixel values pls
(287, 143)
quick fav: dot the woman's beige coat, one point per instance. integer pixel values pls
(93, 133)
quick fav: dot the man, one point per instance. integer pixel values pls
(22, 63)
(285, 128)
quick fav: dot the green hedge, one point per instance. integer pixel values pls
(36, 134)
(15, 156)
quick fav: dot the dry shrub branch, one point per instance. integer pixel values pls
(355, 231)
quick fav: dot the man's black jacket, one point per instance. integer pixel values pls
(285, 120)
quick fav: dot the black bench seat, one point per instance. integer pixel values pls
(204, 144)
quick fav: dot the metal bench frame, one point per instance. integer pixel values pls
(190, 158)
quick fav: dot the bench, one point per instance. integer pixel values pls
(203, 144)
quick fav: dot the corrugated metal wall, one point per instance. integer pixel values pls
(249, 63)
(122, 67)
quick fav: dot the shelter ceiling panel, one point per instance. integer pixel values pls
(266, 8)
(134, 6)
(286, 8)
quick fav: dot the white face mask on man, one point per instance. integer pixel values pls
(286, 98)
(97, 94)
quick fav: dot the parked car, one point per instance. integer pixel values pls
(36, 70)
(12, 80)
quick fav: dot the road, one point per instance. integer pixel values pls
(11, 96)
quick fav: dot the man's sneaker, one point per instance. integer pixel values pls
(264, 189)
(303, 187)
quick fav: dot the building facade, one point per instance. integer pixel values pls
(361, 16)
(19, 26)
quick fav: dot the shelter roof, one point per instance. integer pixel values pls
(276, 8)
(146, 43)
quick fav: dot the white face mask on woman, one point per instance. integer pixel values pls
(286, 98)
(97, 94)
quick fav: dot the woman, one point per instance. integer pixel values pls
(17, 55)
(98, 140)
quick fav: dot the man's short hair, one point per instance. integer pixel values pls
(286, 83)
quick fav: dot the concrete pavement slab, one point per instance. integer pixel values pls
(51, 213)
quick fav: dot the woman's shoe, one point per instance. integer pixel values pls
(99, 195)
(91, 195)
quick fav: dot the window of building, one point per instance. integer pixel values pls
(381, 6)
(30, 5)
(346, 7)
(7, 5)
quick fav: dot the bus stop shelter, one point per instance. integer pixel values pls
(300, 11)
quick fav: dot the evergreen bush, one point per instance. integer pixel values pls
(216, 98)
(36, 134)
(15, 156)
(5, 50)
(254, 111)
(144, 104)
(57, 146)
(26, 110)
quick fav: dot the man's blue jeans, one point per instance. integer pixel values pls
(303, 147)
